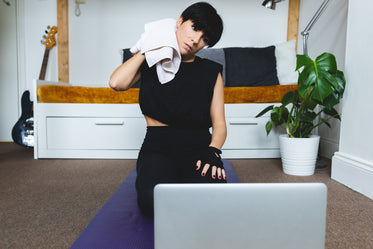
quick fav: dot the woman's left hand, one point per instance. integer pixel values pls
(211, 157)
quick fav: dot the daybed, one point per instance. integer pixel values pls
(85, 121)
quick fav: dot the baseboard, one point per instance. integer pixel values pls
(353, 172)
(328, 147)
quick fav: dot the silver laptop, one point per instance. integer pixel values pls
(235, 216)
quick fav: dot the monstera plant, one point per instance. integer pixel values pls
(321, 86)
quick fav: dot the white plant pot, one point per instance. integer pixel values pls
(299, 155)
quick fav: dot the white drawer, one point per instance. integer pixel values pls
(249, 133)
(79, 133)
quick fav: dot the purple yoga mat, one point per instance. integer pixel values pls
(120, 225)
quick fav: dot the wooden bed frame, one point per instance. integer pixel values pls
(116, 131)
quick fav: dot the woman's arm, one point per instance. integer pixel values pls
(127, 74)
(219, 127)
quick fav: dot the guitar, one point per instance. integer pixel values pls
(23, 130)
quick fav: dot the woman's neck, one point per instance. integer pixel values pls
(188, 59)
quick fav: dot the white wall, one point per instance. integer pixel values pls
(34, 17)
(9, 100)
(353, 164)
(327, 35)
(104, 27)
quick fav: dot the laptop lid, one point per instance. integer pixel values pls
(260, 216)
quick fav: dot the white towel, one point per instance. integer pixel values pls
(159, 44)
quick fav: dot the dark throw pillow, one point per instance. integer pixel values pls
(250, 66)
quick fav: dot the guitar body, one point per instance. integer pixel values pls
(23, 130)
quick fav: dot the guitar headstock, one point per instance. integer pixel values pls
(50, 39)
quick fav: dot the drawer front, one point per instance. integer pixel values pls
(95, 133)
(249, 133)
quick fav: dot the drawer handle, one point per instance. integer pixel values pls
(108, 122)
(242, 121)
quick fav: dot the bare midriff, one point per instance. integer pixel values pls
(152, 122)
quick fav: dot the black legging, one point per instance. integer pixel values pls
(169, 155)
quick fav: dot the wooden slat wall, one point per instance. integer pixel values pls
(293, 20)
(63, 34)
(63, 40)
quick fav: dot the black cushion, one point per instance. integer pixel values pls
(250, 66)
(126, 55)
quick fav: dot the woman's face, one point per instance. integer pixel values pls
(189, 39)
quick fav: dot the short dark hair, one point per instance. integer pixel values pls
(205, 18)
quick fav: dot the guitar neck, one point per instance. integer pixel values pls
(44, 65)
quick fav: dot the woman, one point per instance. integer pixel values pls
(178, 147)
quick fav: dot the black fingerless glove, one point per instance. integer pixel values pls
(212, 156)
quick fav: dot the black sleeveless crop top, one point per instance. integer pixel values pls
(183, 102)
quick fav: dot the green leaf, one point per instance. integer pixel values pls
(268, 108)
(306, 79)
(331, 101)
(332, 112)
(308, 117)
(268, 127)
(322, 89)
(279, 115)
(339, 76)
(330, 79)
(309, 103)
(276, 116)
(288, 98)
(284, 113)
(327, 62)
(303, 60)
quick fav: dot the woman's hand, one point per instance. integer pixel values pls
(211, 158)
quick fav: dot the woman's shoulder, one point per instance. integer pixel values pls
(210, 64)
